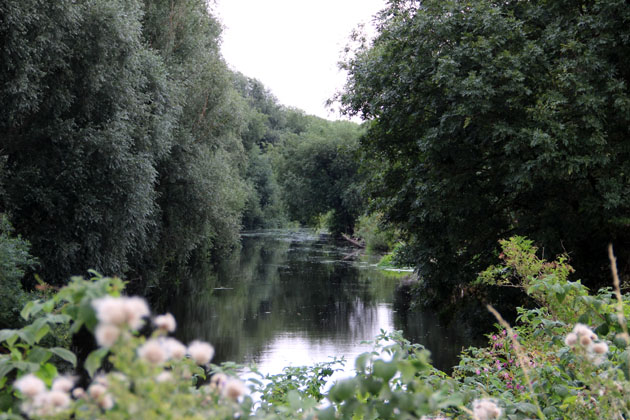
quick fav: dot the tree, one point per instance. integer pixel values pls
(318, 172)
(201, 185)
(490, 119)
(84, 121)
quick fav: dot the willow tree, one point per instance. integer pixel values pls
(489, 119)
(84, 120)
(201, 182)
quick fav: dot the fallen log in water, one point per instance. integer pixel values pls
(353, 241)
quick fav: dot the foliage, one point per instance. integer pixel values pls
(84, 121)
(302, 383)
(141, 381)
(14, 260)
(264, 207)
(490, 119)
(553, 364)
(201, 187)
(121, 135)
(318, 173)
(377, 237)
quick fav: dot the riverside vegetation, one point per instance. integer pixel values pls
(569, 357)
(127, 145)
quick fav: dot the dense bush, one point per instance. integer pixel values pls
(14, 260)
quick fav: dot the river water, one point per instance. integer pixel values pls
(293, 298)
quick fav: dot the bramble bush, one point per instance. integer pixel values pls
(568, 358)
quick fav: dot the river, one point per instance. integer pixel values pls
(294, 297)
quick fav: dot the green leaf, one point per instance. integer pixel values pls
(452, 400)
(42, 332)
(620, 342)
(342, 390)
(584, 319)
(526, 407)
(371, 385)
(27, 335)
(27, 366)
(58, 318)
(361, 362)
(560, 390)
(94, 360)
(38, 355)
(602, 330)
(326, 414)
(9, 336)
(385, 370)
(294, 399)
(65, 354)
(407, 370)
(47, 373)
(5, 368)
(31, 308)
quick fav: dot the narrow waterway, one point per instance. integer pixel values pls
(292, 298)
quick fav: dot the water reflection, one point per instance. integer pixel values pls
(295, 298)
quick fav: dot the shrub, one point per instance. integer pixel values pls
(378, 238)
(14, 260)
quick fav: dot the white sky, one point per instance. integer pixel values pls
(293, 46)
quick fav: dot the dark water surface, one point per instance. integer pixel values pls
(292, 298)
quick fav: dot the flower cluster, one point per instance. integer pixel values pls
(582, 337)
(41, 401)
(114, 313)
(228, 386)
(503, 361)
(486, 409)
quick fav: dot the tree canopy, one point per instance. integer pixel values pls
(129, 147)
(492, 119)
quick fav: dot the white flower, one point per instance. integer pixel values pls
(58, 400)
(164, 377)
(63, 383)
(585, 340)
(233, 388)
(78, 393)
(201, 352)
(135, 309)
(600, 348)
(174, 349)
(218, 380)
(30, 385)
(583, 331)
(486, 409)
(165, 322)
(47, 403)
(110, 310)
(106, 402)
(106, 334)
(152, 352)
(101, 379)
(571, 339)
(97, 390)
